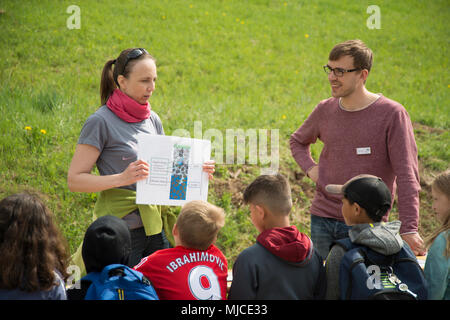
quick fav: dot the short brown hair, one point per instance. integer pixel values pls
(362, 55)
(199, 223)
(271, 191)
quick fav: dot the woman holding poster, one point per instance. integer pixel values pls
(108, 140)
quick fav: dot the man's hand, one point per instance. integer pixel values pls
(415, 242)
(313, 173)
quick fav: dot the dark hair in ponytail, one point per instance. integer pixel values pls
(107, 84)
(109, 75)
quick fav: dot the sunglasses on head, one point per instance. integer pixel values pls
(133, 54)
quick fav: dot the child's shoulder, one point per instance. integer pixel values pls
(215, 249)
(159, 255)
(253, 252)
(175, 251)
(181, 250)
(440, 241)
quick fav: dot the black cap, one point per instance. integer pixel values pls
(107, 241)
(370, 192)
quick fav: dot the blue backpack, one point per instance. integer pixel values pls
(367, 275)
(119, 282)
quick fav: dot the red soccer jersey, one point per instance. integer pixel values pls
(187, 274)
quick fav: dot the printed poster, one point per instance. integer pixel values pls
(176, 175)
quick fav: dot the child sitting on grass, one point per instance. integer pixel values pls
(437, 265)
(195, 269)
(283, 263)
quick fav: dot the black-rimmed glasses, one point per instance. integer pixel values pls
(338, 72)
(133, 54)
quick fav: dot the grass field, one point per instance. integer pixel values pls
(229, 64)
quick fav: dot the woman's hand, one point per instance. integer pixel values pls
(137, 170)
(209, 167)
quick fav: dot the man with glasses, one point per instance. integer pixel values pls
(362, 133)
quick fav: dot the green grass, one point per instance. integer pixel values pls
(230, 64)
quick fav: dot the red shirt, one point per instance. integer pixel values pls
(187, 274)
(377, 140)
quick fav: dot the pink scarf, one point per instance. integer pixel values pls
(126, 108)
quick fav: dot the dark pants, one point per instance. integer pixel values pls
(324, 231)
(142, 245)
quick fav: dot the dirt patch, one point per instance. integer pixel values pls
(421, 129)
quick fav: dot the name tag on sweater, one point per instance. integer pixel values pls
(361, 151)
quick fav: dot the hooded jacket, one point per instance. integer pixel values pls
(381, 237)
(281, 265)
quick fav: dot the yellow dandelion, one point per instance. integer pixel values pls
(237, 20)
(164, 17)
(28, 128)
(206, 13)
(285, 4)
(306, 35)
(242, 22)
(191, 6)
(449, 85)
(43, 131)
(283, 116)
(224, 14)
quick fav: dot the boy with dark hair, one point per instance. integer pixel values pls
(366, 200)
(283, 263)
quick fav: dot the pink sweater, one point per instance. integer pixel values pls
(377, 140)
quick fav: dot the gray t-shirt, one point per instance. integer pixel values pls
(116, 139)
